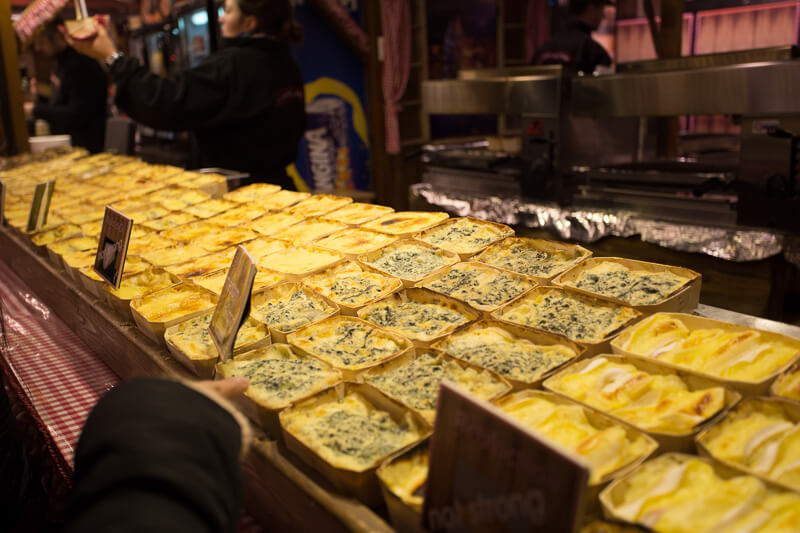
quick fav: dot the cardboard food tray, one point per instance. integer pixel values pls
(362, 485)
(773, 390)
(601, 421)
(546, 246)
(667, 442)
(264, 262)
(155, 330)
(404, 516)
(424, 296)
(92, 286)
(280, 289)
(406, 346)
(352, 310)
(590, 348)
(415, 354)
(123, 306)
(364, 259)
(746, 388)
(434, 216)
(506, 232)
(486, 311)
(353, 256)
(204, 368)
(792, 411)
(267, 418)
(684, 299)
(613, 494)
(534, 336)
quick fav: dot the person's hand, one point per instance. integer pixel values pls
(99, 47)
(230, 388)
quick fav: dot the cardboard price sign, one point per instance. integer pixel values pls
(233, 306)
(109, 263)
(489, 473)
(40, 205)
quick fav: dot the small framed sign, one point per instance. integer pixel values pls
(489, 473)
(233, 306)
(112, 249)
(2, 202)
(40, 205)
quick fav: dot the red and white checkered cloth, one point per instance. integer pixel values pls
(58, 375)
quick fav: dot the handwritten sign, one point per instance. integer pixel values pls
(234, 303)
(112, 249)
(2, 202)
(40, 205)
(489, 473)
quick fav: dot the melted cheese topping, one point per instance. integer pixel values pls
(92, 229)
(526, 256)
(151, 241)
(416, 382)
(80, 259)
(203, 264)
(511, 357)
(788, 385)
(279, 377)
(255, 192)
(731, 354)
(150, 280)
(347, 343)
(193, 339)
(409, 260)
(87, 216)
(358, 213)
(76, 244)
(191, 231)
(760, 437)
(177, 198)
(224, 238)
(300, 260)
(289, 307)
(405, 477)
(258, 248)
(634, 287)
(309, 230)
(273, 223)
(349, 284)
(652, 402)
(421, 321)
(149, 213)
(172, 255)
(215, 280)
(56, 234)
(349, 433)
(576, 317)
(355, 241)
(238, 215)
(480, 286)
(173, 303)
(196, 180)
(319, 204)
(685, 495)
(605, 450)
(405, 222)
(283, 199)
(464, 235)
(209, 208)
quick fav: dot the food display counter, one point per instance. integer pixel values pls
(499, 315)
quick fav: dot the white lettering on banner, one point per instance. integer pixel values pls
(320, 149)
(527, 505)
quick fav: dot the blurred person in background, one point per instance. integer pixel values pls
(574, 47)
(245, 104)
(77, 103)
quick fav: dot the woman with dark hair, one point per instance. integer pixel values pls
(244, 104)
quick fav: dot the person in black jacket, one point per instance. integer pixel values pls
(245, 104)
(77, 103)
(574, 47)
(161, 456)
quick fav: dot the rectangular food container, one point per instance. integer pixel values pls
(123, 306)
(283, 290)
(683, 300)
(773, 390)
(536, 337)
(792, 411)
(395, 285)
(365, 260)
(155, 329)
(503, 232)
(405, 515)
(591, 348)
(297, 274)
(405, 224)
(746, 388)
(424, 296)
(578, 253)
(667, 442)
(362, 485)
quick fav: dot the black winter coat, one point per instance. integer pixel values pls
(244, 104)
